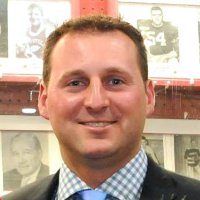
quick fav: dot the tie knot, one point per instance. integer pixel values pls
(92, 195)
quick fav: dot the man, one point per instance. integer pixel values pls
(96, 94)
(26, 156)
(192, 154)
(192, 157)
(161, 37)
(36, 34)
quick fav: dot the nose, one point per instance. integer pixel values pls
(20, 159)
(96, 98)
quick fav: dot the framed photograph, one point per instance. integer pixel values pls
(28, 30)
(187, 155)
(153, 146)
(3, 28)
(29, 153)
(169, 30)
(161, 37)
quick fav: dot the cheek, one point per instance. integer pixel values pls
(131, 103)
(62, 104)
(16, 160)
(131, 109)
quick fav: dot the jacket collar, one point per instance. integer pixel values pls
(158, 183)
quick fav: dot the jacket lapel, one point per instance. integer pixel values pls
(157, 184)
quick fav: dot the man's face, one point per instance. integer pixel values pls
(157, 17)
(26, 158)
(96, 99)
(35, 16)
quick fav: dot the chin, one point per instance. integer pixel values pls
(99, 153)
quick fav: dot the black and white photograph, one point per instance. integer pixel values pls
(153, 146)
(3, 28)
(187, 155)
(37, 31)
(172, 42)
(160, 36)
(35, 21)
(29, 24)
(25, 158)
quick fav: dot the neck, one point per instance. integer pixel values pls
(157, 25)
(95, 171)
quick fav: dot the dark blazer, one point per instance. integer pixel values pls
(159, 184)
(12, 179)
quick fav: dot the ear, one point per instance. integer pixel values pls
(150, 95)
(42, 101)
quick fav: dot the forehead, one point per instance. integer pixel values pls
(111, 35)
(23, 141)
(112, 48)
(35, 10)
(82, 41)
(156, 12)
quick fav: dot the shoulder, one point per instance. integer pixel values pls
(44, 170)
(168, 25)
(11, 179)
(144, 24)
(12, 174)
(40, 190)
(163, 184)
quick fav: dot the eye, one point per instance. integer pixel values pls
(15, 154)
(76, 83)
(115, 81)
(28, 152)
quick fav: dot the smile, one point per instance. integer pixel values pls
(97, 124)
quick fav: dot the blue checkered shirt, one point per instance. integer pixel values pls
(125, 184)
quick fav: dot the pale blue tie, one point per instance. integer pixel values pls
(92, 195)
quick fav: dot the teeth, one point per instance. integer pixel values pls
(97, 124)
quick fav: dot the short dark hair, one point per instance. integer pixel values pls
(90, 24)
(33, 6)
(156, 8)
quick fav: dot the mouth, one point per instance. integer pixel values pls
(23, 168)
(98, 124)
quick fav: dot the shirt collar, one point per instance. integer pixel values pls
(125, 184)
(31, 178)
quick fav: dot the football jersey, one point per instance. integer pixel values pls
(36, 43)
(192, 156)
(159, 40)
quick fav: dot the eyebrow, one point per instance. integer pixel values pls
(115, 70)
(80, 72)
(73, 73)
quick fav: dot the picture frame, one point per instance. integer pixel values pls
(16, 145)
(153, 146)
(19, 146)
(187, 155)
(186, 25)
(25, 46)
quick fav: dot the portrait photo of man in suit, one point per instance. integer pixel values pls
(26, 156)
(97, 95)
